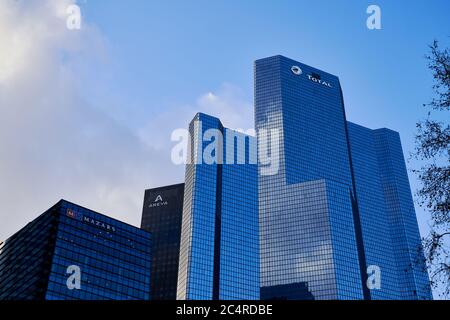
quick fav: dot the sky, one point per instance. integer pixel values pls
(86, 115)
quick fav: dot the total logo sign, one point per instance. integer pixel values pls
(312, 77)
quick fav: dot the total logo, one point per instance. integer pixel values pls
(296, 70)
(312, 77)
(158, 202)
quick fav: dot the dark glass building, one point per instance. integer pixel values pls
(161, 216)
(340, 201)
(219, 237)
(113, 258)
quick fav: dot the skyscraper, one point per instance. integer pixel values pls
(161, 216)
(111, 258)
(387, 208)
(339, 199)
(219, 237)
(412, 275)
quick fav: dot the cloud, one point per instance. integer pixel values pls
(53, 143)
(227, 103)
(57, 143)
(230, 106)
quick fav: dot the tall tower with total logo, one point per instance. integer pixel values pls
(336, 219)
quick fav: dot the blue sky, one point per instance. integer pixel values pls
(94, 125)
(169, 53)
(166, 53)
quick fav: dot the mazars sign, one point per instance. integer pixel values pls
(312, 77)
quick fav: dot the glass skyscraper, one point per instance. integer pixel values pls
(219, 237)
(161, 216)
(113, 258)
(340, 200)
(411, 269)
(326, 213)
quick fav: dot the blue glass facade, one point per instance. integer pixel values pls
(372, 211)
(307, 231)
(388, 220)
(113, 257)
(25, 260)
(412, 276)
(219, 237)
(325, 214)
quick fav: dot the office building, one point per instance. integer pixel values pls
(161, 216)
(387, 212)
(339, 203)
(219, 236)
(72, 253)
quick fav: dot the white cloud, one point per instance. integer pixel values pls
(55, 143)
(226, 103)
